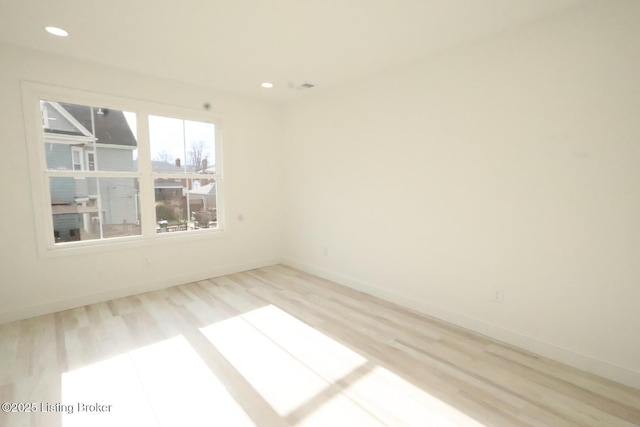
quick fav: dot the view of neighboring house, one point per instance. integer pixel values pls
(81, 138)
(190, 202)
(203, 198)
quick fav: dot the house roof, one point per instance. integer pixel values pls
(159, 166)
(205, 190)
(167, 183)
(111, 127)
(168, 167)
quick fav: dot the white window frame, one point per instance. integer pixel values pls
(34, 92)
(78, 150)
(89, 162)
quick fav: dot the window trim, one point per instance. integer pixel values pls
(89, 162)
(80, 159)
(33, 92)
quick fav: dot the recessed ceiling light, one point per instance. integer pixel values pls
(267, 85)
(56, 31)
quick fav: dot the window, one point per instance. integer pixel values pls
(76, 158)
(91, 161)
(113, 173)
(184, 167)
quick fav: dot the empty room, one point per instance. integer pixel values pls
(320, 213)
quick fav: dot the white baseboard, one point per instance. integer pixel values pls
(551, 351)
(139, 288)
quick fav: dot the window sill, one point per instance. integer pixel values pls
(129, 242)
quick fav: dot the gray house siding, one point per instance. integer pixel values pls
(119, 200)
(115, 159)
(118, 195)
(58, 156)
(63, 190)
(82, 189)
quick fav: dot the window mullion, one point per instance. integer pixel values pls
(90, 174)
(147, 198)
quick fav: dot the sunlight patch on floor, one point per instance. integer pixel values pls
(325, 356)
(308, 378)
(313, 380)
(163, 384)
(111, 382)
(281, 379)
(182, 389)
(398, 402)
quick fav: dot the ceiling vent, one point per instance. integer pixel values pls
(303, 86)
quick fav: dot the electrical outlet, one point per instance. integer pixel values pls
(498, 295)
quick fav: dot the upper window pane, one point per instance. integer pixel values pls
(182, 146)
(85, 138)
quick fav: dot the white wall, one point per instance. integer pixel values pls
(512, 162)
(31, 285)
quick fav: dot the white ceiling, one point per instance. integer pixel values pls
(234, 45)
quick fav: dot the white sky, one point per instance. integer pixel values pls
(176, 137)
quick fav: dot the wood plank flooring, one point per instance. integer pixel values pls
(278, 347)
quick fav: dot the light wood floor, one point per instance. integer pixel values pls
(277, 347)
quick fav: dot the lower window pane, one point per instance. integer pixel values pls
(185, 204)
(94, 208)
